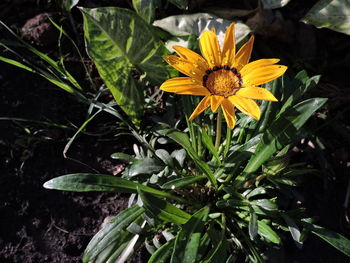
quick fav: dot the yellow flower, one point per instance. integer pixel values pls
(224, 77)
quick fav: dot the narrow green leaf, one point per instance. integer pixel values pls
(124, 157)
(182, 139)
(207, 140)
(162, 209)
(182, 4)
(266, 231)
(111, 232)
(282, 131)
(253, 224)
(181, 182)
(188, 239)
(163, 253)
(293, 229)
(85, 182)
(335, 239)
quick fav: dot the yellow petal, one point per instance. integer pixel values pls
(243, 55)
(247, 106)
(229, 113)
(184, 85)
(256, 93)
(205, 103)
(215, 102)
(210, 48)
(191, 56)
(229, 47)
(258, 63)
(186, 67)
(263, 75)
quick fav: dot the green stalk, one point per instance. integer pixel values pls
(228, 141)
(218, 129)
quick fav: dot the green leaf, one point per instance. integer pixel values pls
(332, 14)
(165, 157)
(282, 132)
(302, 87)
(182, 139)
(188, 239)
(123, 156)
(266, 231)
(112, 232)
(253, 224)
(182, 4)
(120, 42)
(162, 209)
(163, 253)
(68, 4)
(272, 4)
(145, 166)
(85, 182)
(333, 238)
(195, 24)
(146, 9)
(207, 140)
(181, 182)
(293, 229)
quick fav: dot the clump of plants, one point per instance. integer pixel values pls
(211, 179)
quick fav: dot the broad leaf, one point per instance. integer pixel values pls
(332, 14)
(145, 166)
(120, 42)
(146, 9)
(68, 4)
(195, 24)
(162, 209)
(188, 239)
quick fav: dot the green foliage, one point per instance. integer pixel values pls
(121, 43)
(332, 14)
(205, 201)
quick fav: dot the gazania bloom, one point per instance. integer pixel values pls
(223, 76)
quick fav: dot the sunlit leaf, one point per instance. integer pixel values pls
(332, 14)
(182, 182)
(282, 131)
(188, 239)
(111, 233)
(195, 24)
(163, 209)
(163, 253)
(84, 182)
(146, 9)
(182, 139)
(272, 4)
(121, 43)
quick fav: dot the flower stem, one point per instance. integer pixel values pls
(218, 129)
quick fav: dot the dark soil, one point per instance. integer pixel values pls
(39, 225)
